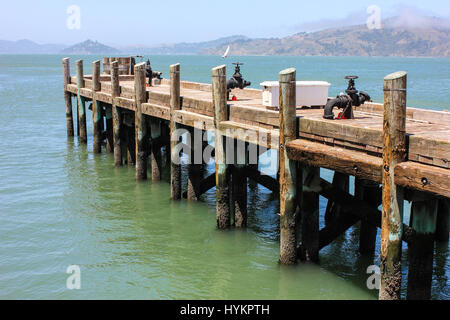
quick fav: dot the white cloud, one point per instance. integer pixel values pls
(398, 16)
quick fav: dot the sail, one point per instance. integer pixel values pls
(226, 52)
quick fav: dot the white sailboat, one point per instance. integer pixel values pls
(226, 52)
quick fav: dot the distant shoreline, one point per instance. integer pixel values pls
(214, 55)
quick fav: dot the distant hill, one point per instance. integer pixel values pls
(28, 47)
(405, 35)
(184, 47)
(90, 47)
(395, 38)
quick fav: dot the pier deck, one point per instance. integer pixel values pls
(394, 153)
(428, 130)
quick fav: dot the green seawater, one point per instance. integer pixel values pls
(61, 205)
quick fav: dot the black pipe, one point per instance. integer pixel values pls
(340, 102)
(346, 101)
(237, 83)
(234, 83)
(343, 102)
(363, 97)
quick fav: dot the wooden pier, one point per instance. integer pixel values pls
(395, 153)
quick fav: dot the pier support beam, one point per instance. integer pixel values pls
(239, 181)
(309, 208)
(394, 151)
(340, 180)
(219, 93)
(109, 129)
(68, 97)
(195, 172)
(252, 183)
(240, 196)
(81, 102)
(96, 108)
(140, 122)
(175, 167)
(78, 117)
(258, 178)
(129, 125)
(442, 226)
(155, 151)
(288, 169)
(367, 191)
(421, 249)
(166, 137)
(116, 114)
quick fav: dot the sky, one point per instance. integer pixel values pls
(139, 22)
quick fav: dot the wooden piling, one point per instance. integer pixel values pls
(140, 122)
(442, 227)
(288, 168)
(78, 118)
(96, 108)
(195, 172)
(219, 95)
(68, 97)
(309, 207)
(239, 181)
(132, 64)
(130, 138)
(340, 180)
(394, 151)
(116, 114)
(109, 129)
(367, 191)
(102, 122)
(155, 151)
(252, 183)
(175, 167)
(166, 135)
(81, 101)
(421, 248)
